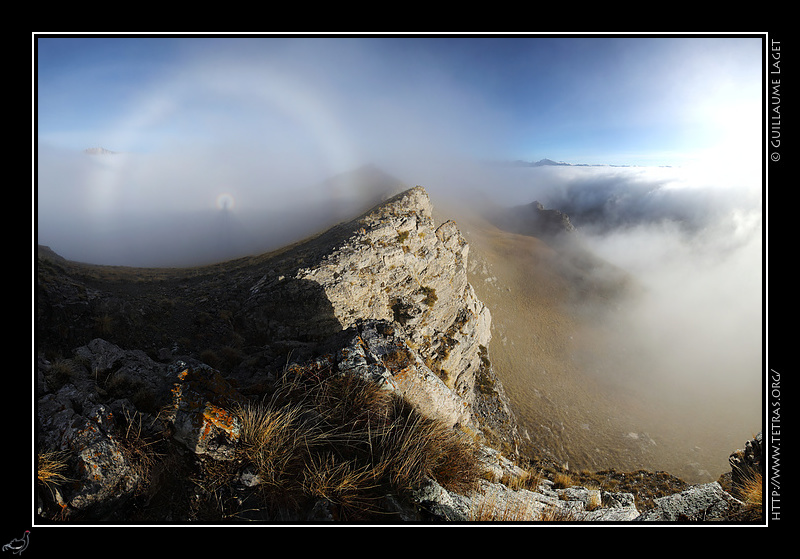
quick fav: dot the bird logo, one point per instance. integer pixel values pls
(18, 545)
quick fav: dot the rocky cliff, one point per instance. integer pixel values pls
(347, 377)
(395, 266)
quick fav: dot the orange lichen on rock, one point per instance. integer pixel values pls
(201, 397)
(216, 418)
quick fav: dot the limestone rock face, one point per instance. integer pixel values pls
(377, 352)
(395, 265)
(400, 267)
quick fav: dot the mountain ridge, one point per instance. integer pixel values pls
(545, 162)
(385, 296)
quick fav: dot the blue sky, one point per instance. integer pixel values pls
(634, 100)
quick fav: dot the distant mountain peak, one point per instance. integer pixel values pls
(99, 151)
(550, 163)
(543, 162)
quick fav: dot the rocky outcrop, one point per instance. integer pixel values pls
(106, 472)
(396, 266)
(378, 352)
(384, 298)
(747, 463)
(200, 413)
(700, 503)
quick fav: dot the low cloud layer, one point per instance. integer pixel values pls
(690, 340)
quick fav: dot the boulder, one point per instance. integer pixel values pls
(129, 374)
(102, 475)
(201, 411)
(699, 503)
(107, 476)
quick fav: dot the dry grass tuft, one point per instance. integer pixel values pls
(350, 402)
(490, 508)
(562, 481)
(752, 491)
(50, 469)
(343, 485)
(346, 441)
(560, 514)
(413, 447)
(137, 449)
(530, 479)
(60, 373)
(274, 440)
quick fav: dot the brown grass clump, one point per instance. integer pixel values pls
(560, 514)
(274, 439)
(490, 508)
(398, 359)
(430, 296)
(528, 480)
(347, 442)
(50, 469)
(60, 373)
(137, 449)
(344, 485)
(414, 447)
(562, 481)
(751, 492)
(351, 404)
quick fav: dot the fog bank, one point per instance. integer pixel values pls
(687, 342)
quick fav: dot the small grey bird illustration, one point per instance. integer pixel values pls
(18, 545)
